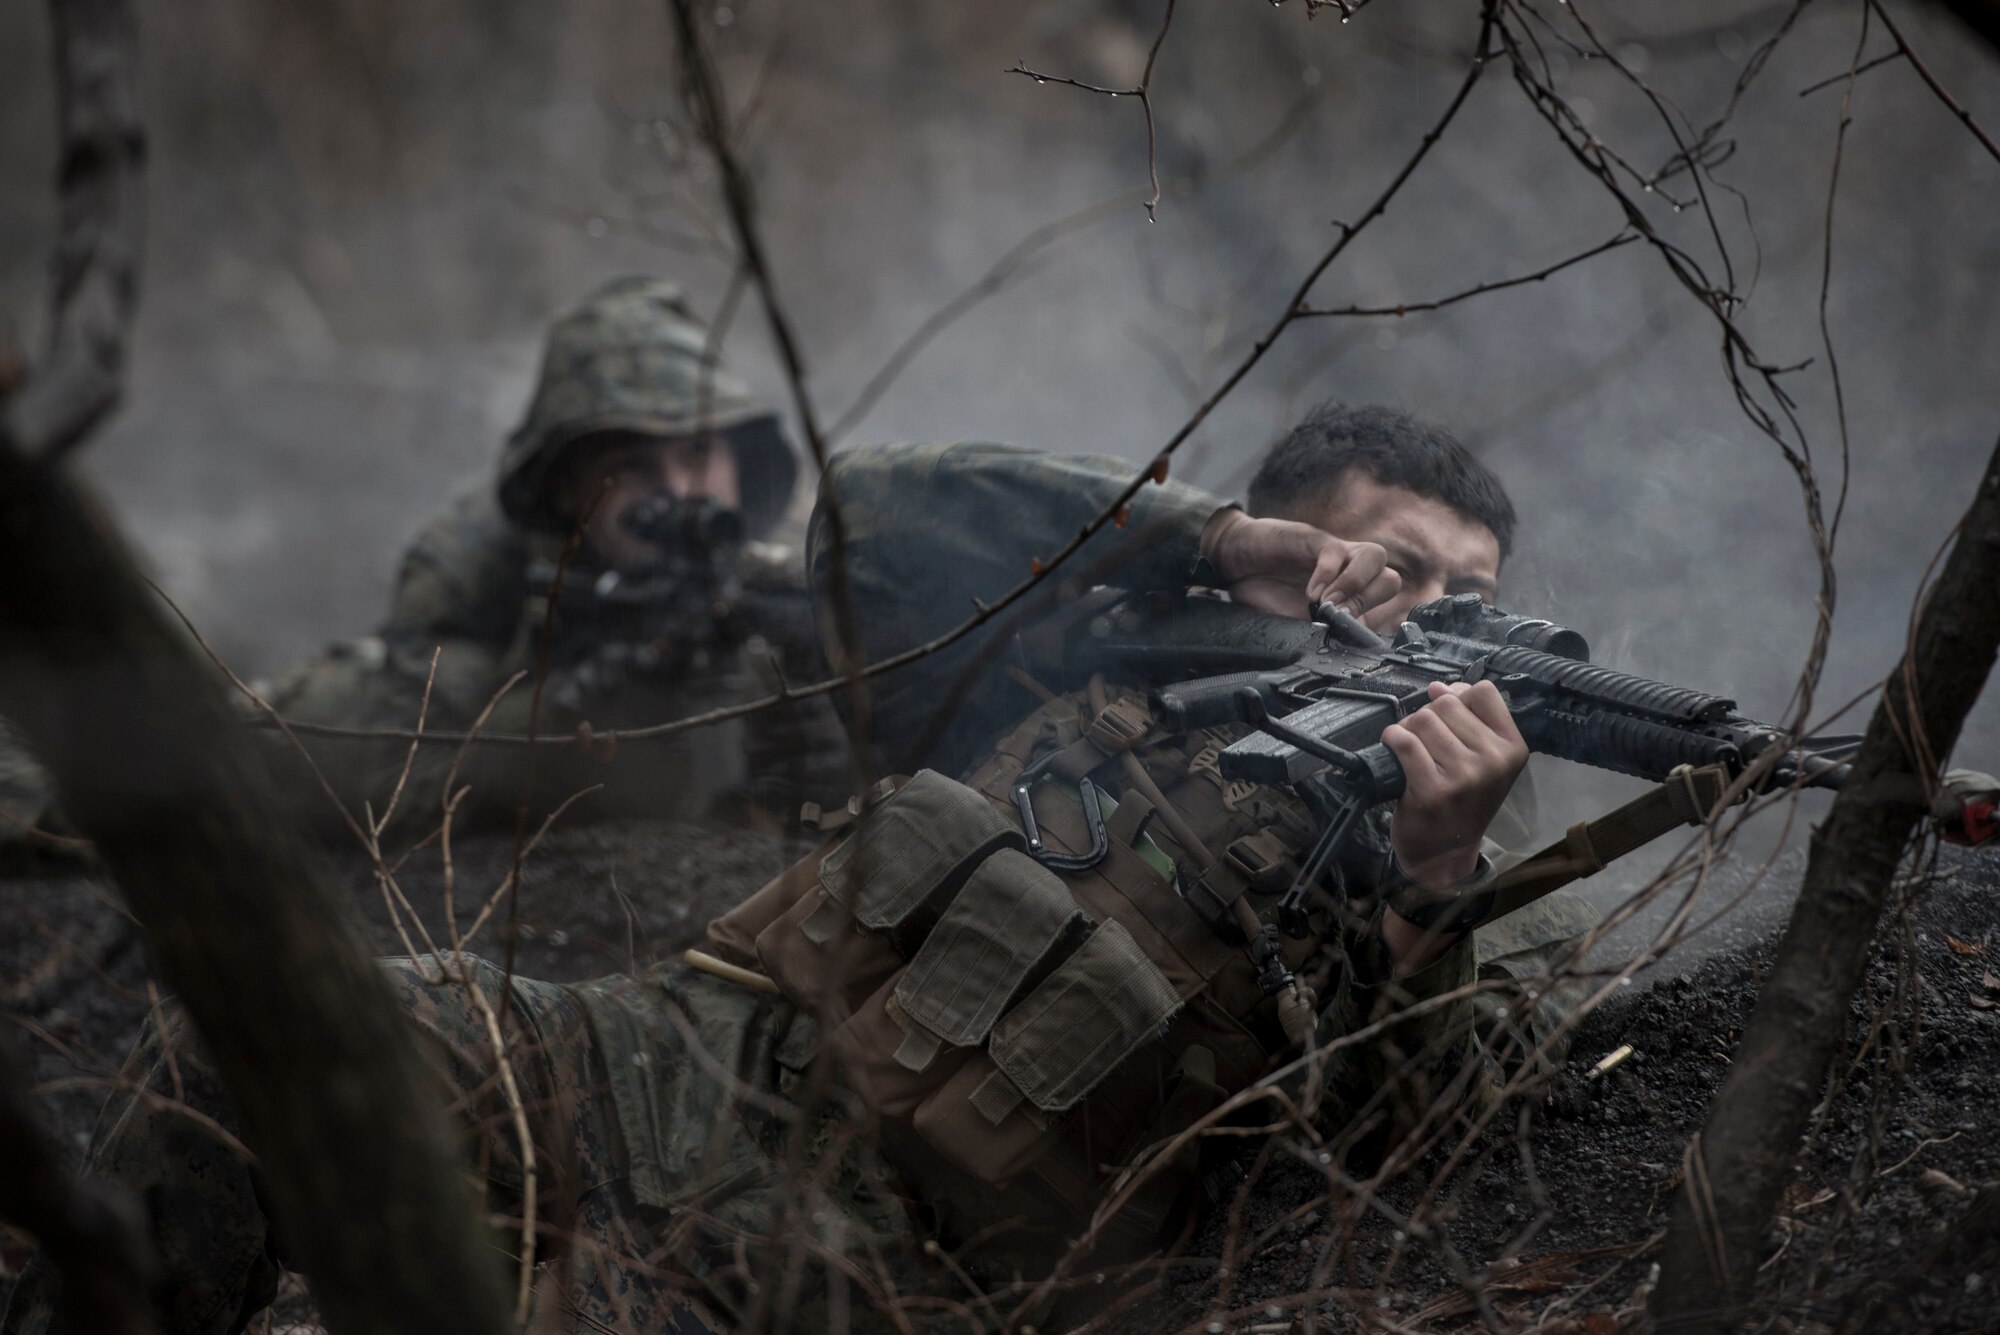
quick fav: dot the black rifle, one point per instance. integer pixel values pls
(1319, 693)
(678, 613)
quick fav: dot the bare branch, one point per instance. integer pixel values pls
(1930, 80)
(704, 92)
(1478, 289)
(1143, 91)
(1845, 75)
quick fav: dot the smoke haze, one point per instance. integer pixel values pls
(363, 213)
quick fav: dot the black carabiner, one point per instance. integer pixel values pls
(1093, 821)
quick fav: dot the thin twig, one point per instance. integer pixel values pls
(158, 1014)
(517, 1110)
(1410, 308)
(1924, 72)
(704, 94)
(1847, 74)
(511, 882)
(377, 824)
(494, 1029)
(1143, 91)
(1826, 279)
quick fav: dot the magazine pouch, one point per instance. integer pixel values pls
(1006, 927)
(876, 894)
(1046, 1054)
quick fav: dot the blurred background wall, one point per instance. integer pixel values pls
(363, 212)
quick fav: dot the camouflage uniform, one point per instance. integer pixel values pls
(703, 1163)
(927, 529)
(633, 357)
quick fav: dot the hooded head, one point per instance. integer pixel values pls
(631, 358)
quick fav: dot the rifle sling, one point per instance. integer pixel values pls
(1686, 797)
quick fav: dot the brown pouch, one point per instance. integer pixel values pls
(994, 1116)
(1011, 916)
(880, 887)
(917, 847)
(823, 961)
(865, 1045)
(1002, 929)
(733, 936)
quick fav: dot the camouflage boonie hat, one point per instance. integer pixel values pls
(629, 358)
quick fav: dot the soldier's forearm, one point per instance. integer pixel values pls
(928, 528)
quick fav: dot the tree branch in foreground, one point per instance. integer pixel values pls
(248, 926)
(711, 115)
(1143, 91)
(1742, 1159)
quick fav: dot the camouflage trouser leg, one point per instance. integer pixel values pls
(589, 1241)
(168, 1137)
(1507, 1021)
(1524, 1022)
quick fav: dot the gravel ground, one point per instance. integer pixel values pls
(1556, 1215)
(1559, 1217)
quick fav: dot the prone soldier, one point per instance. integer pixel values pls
(934, 1053)
(678, 593)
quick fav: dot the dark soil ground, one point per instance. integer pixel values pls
(1554, 1223)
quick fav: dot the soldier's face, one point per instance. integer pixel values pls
(1434, 548)
(615, 475)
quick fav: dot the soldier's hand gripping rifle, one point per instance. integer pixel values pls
(675, 614)
(1319, 694)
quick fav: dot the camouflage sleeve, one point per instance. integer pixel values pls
(459, 594)
(463, 578)
(930, 528)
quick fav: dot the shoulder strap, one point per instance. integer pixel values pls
(1687, 797)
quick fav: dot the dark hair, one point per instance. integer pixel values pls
(1392, 447)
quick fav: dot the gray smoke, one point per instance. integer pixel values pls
(363, 213)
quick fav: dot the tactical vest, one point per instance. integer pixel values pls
(1046, 1002)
